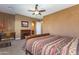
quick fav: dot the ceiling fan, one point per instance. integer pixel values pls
(36, 11)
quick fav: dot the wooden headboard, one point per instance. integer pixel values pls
(39, 35)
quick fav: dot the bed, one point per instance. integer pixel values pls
(46, 44)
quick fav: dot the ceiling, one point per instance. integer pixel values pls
(22, 9)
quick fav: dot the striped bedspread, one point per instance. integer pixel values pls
(29, 43)
(53, 45)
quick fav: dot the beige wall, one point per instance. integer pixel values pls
(65, 22)
(8, 22)
(18, 28)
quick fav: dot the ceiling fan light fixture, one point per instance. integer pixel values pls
(36, 12)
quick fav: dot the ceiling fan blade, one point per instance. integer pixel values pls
(42, 10)
(39, 13)
(36, 6)
(33, 14)
(31, 10)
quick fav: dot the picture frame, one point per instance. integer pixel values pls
(24, 23)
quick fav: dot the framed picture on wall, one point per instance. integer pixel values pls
(24, 23)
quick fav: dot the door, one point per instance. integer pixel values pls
(38, 27)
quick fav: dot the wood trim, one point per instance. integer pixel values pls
(34, 36)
